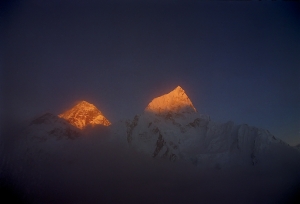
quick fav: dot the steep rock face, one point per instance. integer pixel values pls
(84, 114)
(51, 126)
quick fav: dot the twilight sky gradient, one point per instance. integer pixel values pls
(237, 61)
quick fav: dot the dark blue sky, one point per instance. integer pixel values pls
(236, 60)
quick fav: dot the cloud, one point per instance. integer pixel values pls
(98, 169)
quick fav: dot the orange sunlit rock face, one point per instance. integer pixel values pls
(176, 101)
(84, 114)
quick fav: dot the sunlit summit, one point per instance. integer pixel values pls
(176, 101)
(84, 114)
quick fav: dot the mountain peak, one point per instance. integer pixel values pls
(84, 103)
(83, 114)
(176, 101)
(178, 88)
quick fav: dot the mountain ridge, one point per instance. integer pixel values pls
(170, 127)
(47, 158)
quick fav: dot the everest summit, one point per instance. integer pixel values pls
(51, 137)
(68, 125)
(84, 114)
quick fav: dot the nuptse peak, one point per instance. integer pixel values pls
(175, 102)
(171, 128)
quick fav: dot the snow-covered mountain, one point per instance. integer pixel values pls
(55, 160)
(84, 114)
(170, 127)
